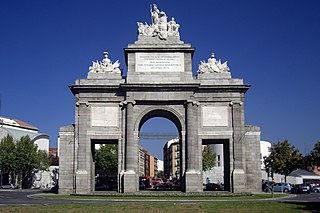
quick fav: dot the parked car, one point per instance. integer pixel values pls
(265, 186)
(165, 186)
(141, 185)
(282, 187)
(315, 189)
(213, 187)
(300, 189)
(55, 189)
(101, 187)
(7, 186)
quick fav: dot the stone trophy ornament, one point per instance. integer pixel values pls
(213, 66)
(160, 26)
(105, 66)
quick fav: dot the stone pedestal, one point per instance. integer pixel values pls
(193, 181)
(130, 182)
(83, 182)
(239, 181)
(67, 155)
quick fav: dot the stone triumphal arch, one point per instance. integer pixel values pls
(206, 108)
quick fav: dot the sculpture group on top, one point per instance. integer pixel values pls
(213, 66)
(160, 26)
(105, 65)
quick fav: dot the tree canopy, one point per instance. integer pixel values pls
(21, 159)
(208, 158)
(7, 155)
(283, 159)
(106, 159)
(315, 154)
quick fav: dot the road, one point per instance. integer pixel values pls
(24, 197)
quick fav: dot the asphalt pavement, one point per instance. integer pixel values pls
(25, 197)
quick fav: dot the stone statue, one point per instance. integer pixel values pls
(105, 65)
(213, 66)
(173, 28)
(154, 14)
(160, 26)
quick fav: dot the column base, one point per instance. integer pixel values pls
(239, 181)
(83, 182)
(130, 182)
(193, 181)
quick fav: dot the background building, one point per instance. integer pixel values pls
(171, 158)
(148, 164)
(16, 129)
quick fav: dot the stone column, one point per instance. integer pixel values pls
(131, 157)
(191, 145)
(238, 173)
(193, 173)
(84, 183)
(130, 146)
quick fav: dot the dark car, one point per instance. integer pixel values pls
(300, 189)
(165, 186)
(213, 187)
(55, 189)
(142, 185)
(101, 187)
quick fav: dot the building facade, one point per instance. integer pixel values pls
(148, 164)
(17, 129)
(171, 158)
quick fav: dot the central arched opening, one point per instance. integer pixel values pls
(160, 153)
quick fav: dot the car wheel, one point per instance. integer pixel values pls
(316, 190)
(286, 190)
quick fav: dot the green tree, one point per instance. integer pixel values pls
(285, 158)
(21, 159)
(313, 158)
(315, 154)
(8, 163)
(106, 159)
(29, 159)
(268, 165)
(208, 158)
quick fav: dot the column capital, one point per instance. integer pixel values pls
(193, 102)
(78, 103)
(240, 103)
(126, 102)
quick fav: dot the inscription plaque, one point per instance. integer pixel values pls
(215, 116)
(104, 116)
(159, 62)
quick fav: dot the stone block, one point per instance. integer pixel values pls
(130, 182)
(239, 181)
(193, 181)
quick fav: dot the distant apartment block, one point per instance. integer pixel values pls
(171, 158)
(148, 164)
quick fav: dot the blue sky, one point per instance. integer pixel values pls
(272, 44)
